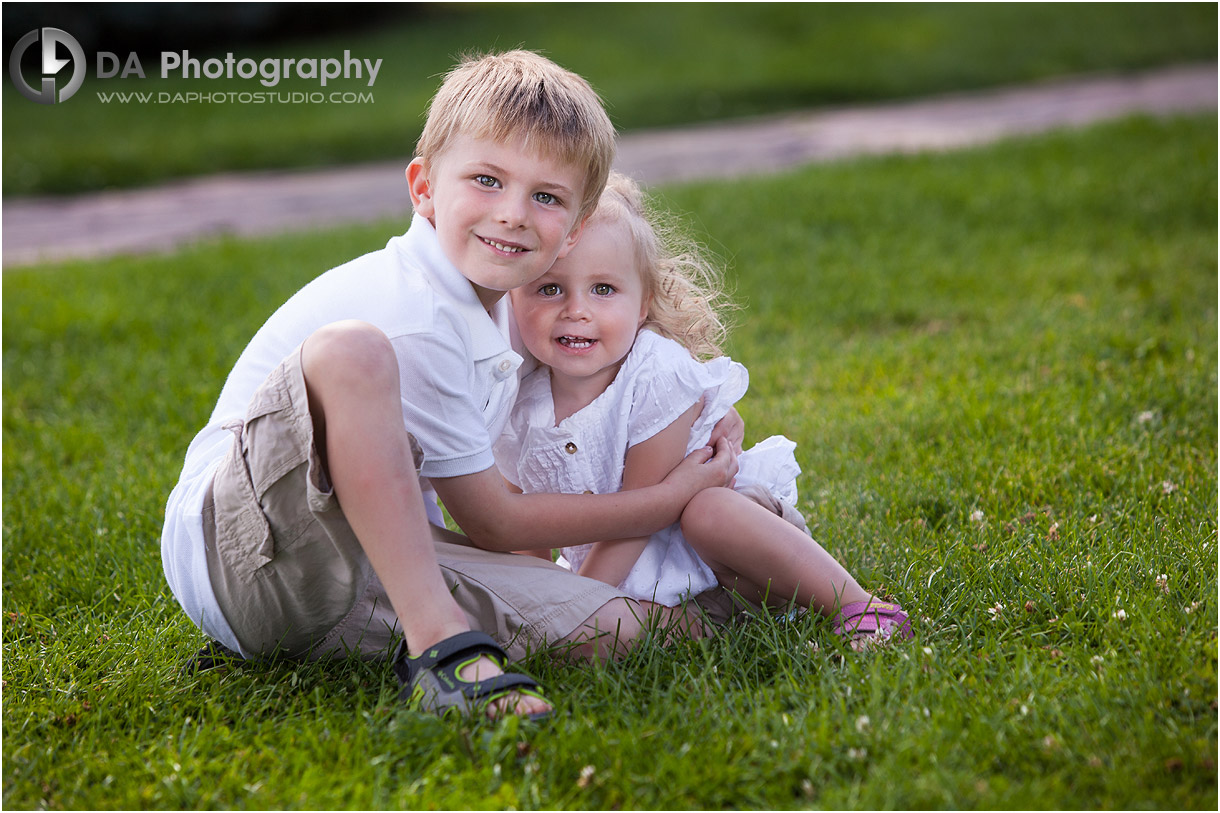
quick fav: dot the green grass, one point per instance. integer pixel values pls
(1000, 367)
(655, 64)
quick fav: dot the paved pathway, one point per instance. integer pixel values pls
(163, 218)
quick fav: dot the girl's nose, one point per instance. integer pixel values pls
(574, 308)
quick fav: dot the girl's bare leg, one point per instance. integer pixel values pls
(619, 624)
(762, 556)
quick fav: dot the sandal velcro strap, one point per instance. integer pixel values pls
(878, 619)
(433, 680)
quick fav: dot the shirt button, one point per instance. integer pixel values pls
(570, 447)
(505, 366)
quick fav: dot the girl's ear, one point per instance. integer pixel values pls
(421, 188)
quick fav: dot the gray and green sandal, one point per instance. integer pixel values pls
(431, 680)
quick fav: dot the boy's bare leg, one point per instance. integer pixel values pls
(761, 555)
(351, 375)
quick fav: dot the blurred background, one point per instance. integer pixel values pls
(655, 64)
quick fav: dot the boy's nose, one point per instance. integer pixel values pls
(512, 211)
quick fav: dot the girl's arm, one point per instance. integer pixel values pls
(647, 464)
(495, 518)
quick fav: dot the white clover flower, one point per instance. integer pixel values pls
(976, 515)
(1146, 416)
(1120, 614)
(862, 723)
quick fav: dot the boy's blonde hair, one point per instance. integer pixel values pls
(684, 288)
(520, 94)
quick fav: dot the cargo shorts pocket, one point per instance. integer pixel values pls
(266, 446)
(243, 535)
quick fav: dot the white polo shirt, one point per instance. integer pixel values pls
(456, 363)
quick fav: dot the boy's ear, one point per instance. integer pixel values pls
(420, 187)
(573, 238)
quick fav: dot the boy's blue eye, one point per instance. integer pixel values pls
(545, 197)
(485, 180)
(550, 289)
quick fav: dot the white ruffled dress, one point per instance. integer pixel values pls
(585, 453)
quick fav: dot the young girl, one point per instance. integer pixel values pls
(620, 397)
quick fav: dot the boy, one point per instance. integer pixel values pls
(304, 529)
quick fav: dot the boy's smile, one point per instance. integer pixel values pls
(502, 213)
(581, 317)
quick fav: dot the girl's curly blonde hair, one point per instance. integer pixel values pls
(685, 290)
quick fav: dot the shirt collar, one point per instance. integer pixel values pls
(422, 248)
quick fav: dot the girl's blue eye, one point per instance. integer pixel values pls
(546, 198)
(602, 289)
(550, 289)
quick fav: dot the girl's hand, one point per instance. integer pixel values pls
(705, 468)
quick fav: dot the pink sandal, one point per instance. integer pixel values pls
(872, 621)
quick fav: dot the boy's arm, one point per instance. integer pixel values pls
(494, 518)
(646, 465)
(538, 553)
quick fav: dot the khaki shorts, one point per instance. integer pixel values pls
(290, 575)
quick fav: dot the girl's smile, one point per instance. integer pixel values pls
(575, 344)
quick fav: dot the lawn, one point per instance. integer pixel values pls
(1000, 367)
(655, 64)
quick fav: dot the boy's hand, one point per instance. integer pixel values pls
(706, 468)
(731, 427)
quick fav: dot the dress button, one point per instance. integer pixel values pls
(505, 366)
(570, 447)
